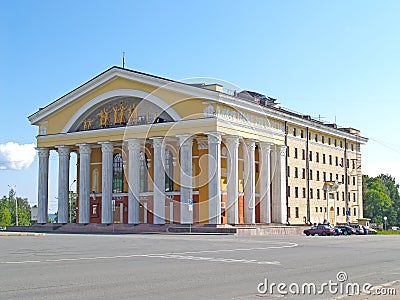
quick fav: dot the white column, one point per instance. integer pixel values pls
(265, 182)
(159, 181)
(107, 150)
(84, 182)
(232, 143)
(249, 182)
(63, 181)
(133, 180)
(214, 178)
(279, 210)
(186, 143)
(43, 185)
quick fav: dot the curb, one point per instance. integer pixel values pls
(8, 233)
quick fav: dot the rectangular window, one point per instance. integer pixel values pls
(354, 197)
(330, 177)
(288, 191)
(323, 139)
(311, 156)
(317, 175)
(311, 194)
(288, 151)
(288, 171)
(323, 158)
(316, 137)
(337, 195)
(337, 177)
(329, 141)
(311, 175)
(341, 162)
(344, 211)
(336, 161)
(343, 179)
(341, 144)
(335, 142)
(296, 172)
(348, 163)
(330, 159)
(303, 175)
(294, 131)
(337, 211)
(296, 192)
(342, 196)
(295, 152)
(354, 180)
(355, 211)
(324, 176)
(325, 195)
(316, 209)
(303, 154)
(317, 157)
(354, 164)
(302, 133)
(352, 147)
(318, 194)
(304, 192)
(288, 212)
(297, 212)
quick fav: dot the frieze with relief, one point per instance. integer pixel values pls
(121, 112)
(231, 114)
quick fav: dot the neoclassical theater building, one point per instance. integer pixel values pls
(154, 150)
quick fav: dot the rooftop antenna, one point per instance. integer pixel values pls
(123, 60)
(320, 117)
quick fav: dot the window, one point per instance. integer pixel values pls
(352, 147)
(288, 171)
(118, 173)
(288, 212)
(330, 159)
(344, 211)
(337, 177)
(318, 194)
(342, 196)
(297, 212)
(342, 178)
(355, 211)
(316, 137)
(341, 144)
(316, 209)
(317, 157)
(311, 175)
(354, 164)
(320, 209)
(309, 136)
(323, 158)
(325, 195)
(94, 210)
(354, 197)
(303, 154)
(311, 194)
(296, 192)
(348, 163)
(303, 173)
(143, 173)
(324, 174)
(304, 192)
(336, 161)
(354, 180)
(310, 155)
(317, 175)
(330, 177)
(296, 172)
(323, 139)
(169, 171)
(335, 142)
(337, 211)
(294, 131)
(288, 151)
(329, 141)
(337, 195)
(302, 133)
(341, 162)
(295, 152)
(288, 191)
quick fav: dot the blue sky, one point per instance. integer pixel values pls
(336, 59)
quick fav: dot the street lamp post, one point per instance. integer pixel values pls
(385, 218)
(16, 204)
(70, 201)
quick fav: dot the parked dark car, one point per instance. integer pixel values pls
(358, 228)
(347, 230)
(338, 231)
(320, 230)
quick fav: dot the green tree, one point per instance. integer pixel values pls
(380, 199)
(8, 210)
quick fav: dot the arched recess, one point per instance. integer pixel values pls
(121, 93)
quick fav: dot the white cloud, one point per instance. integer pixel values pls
(14, 156)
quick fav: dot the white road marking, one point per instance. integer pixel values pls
(181, 255)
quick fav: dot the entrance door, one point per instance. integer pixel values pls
(117, 214)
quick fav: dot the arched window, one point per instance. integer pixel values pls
(169, 171)
(118, 174)
(143, 172)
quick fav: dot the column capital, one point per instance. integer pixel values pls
(185, 140)
(63, 150)
(232, 141)
(250, 144)
(265, 146)
(106, 146)
(43, 151)
(282, 149)
(133, 144)
(157, 141)
(214, 137)
(84, 148)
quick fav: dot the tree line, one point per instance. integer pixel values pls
(8, 210)
(381, 199)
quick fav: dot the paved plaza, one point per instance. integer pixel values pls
(61, 266)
